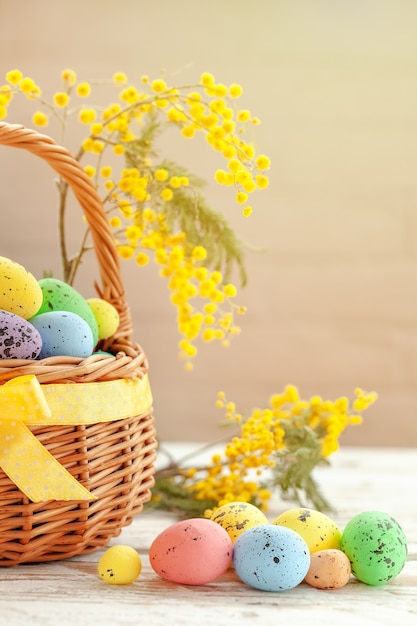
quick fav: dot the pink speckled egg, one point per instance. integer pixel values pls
(191, 552)
(19, 339)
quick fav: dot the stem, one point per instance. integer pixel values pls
(178, 465)
(66, 264)
(75, 261)
(69, 266)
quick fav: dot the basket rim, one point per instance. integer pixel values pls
(111, 289)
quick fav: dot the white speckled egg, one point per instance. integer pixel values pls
(195, 551)
(20, 292)
(59, 296)
(236, 517)
(318, 530)
(63, 334)
(106, 316)
(271, 558)
(19, 339)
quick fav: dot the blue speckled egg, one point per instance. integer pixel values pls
(376, 547)
(60, 296)
(19, 339)
(63, 334)
(271, 558)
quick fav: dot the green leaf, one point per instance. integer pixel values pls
(171, 495)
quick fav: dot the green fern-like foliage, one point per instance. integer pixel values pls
(188, 211)
(203, 226)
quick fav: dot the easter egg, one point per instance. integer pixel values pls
(20, 292)
(329, 569)
(191, 552)
(236, 517)
(63, 334)
(119, 565)
(376, 546)
(271, 557)
(19, 339)
(106, 316)
(59, 296)
(318, 530)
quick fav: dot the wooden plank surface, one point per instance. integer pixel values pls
(70, 592)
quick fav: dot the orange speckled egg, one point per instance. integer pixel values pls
(191, 552)
(329, 569)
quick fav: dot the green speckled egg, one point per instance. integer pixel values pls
(20, 292)
(59, 296)
(317, 530)
(376, 546)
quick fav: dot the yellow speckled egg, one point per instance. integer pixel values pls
(20, 292)
(329, 569)
(236, 517)
(107, 317)
(317, 530)
(119, 565)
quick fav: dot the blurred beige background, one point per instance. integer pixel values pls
(332, 302)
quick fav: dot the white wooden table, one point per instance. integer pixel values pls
(70, 592)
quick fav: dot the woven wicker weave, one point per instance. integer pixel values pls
(114, 461)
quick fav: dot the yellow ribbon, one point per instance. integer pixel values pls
(24, 402)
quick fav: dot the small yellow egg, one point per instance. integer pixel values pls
(119, 565)
(106, 315)
(236, 517)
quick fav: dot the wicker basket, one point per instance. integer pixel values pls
(113, 460)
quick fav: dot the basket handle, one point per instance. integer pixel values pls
(61, 160)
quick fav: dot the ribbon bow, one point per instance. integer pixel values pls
(24, 402)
